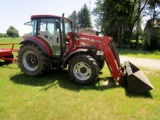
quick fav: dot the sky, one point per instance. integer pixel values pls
(17, 12)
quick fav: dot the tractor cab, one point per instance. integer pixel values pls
(51, 29)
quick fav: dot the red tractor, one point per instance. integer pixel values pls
(53, 45)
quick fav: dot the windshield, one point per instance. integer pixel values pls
(48, 25)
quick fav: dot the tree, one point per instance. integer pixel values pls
(153, 4)
(152, 28)
(74, 18)
(12, 32)
(99, 15)
(152, 41)
(84, 17)
(116, 17)
(120, 17)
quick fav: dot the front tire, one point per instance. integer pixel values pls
(32, 61)
(83, 69)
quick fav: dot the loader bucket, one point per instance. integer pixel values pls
(136, 79)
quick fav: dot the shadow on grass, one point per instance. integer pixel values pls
(146, 94)
(3, 63)
(6, 65)
(51, 77)
(61, 79)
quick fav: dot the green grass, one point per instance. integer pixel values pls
(4, 40)
(9, 39)
(139, 53)
(55, 96)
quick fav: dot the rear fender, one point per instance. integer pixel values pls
(39, 42)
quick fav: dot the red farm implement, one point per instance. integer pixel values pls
(6, 53)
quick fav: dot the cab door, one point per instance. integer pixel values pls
(49, 32)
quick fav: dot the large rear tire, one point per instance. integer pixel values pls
(32, 61)
(83, 69)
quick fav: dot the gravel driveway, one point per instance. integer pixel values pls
(144, 62)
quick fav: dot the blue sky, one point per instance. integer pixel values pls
(17, 12)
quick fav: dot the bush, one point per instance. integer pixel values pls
(155, 42)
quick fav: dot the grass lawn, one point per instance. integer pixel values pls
(4, 40)
(56, 97)
(9, 39)
(139, 53)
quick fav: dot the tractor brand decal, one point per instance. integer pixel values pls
(85, 39)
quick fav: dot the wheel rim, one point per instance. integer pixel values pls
(30, 61)
(82, 71)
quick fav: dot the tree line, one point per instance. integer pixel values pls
(123, 20)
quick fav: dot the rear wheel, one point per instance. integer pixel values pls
(83, 69)
(32, 61)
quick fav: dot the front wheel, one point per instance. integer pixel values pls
(83, 69)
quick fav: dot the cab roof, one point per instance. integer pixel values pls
(46, 16)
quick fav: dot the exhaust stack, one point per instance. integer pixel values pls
(136, 79)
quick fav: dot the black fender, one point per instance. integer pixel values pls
(39, 42)
(77, 52)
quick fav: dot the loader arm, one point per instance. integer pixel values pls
(104, 44)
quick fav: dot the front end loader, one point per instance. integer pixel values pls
(53, 45)
(135, 79)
